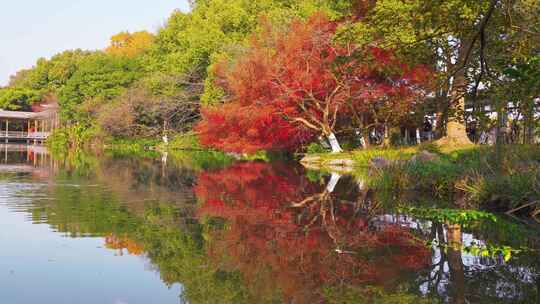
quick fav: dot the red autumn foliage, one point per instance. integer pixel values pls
(291, 86)
(248, 129)
(277, 247)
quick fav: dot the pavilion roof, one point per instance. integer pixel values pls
(21, 115)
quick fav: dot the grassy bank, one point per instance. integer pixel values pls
(469, 177)
(363, 157)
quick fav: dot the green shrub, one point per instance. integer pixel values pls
(365, 156)
(349, 145)
(429, 147)
(316, 148)
(395, 139)
(185, 141)
(506, 191)
(72, 137)
(142, 147)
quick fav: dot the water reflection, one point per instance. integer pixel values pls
(330, 235)
(296, 241)
(24, 159)
(252, 232)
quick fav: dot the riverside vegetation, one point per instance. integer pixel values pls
(353, 85)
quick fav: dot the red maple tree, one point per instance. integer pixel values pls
(289, 87)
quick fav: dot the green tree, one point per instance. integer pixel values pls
(457, 38)
(62, 67)
(99, 76)
(191, 42)
(18, 98)
(524, 84)
(49, 75)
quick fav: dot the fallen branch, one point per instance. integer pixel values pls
(521, 207)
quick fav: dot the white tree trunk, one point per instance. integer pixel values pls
(363, 142)
(334, 179)
(164, 157)
(361, 184)
(336, 148)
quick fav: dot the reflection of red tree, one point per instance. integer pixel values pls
(298, 250)
(123, 242)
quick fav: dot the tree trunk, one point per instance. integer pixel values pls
(441, 119)
(455, 263)
(529, 119)
(500, 132)
(165, 136)
(456, 133)
(365, 135)
(386, 140)
(336, 148)
(334, 179)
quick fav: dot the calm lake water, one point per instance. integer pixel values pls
(199, 228)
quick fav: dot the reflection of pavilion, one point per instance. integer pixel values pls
(23, 158)
(27, 126)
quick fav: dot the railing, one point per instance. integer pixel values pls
(24, 135)
(13, 134)
(38, 135)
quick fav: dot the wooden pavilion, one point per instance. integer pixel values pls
(16, 126)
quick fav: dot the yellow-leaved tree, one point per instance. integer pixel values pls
(130, 44)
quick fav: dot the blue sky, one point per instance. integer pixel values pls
(30, 29)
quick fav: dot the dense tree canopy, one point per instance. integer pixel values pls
(365, 67)
(192, 40)
(50, 74)
(98, 77)
(18, 98)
